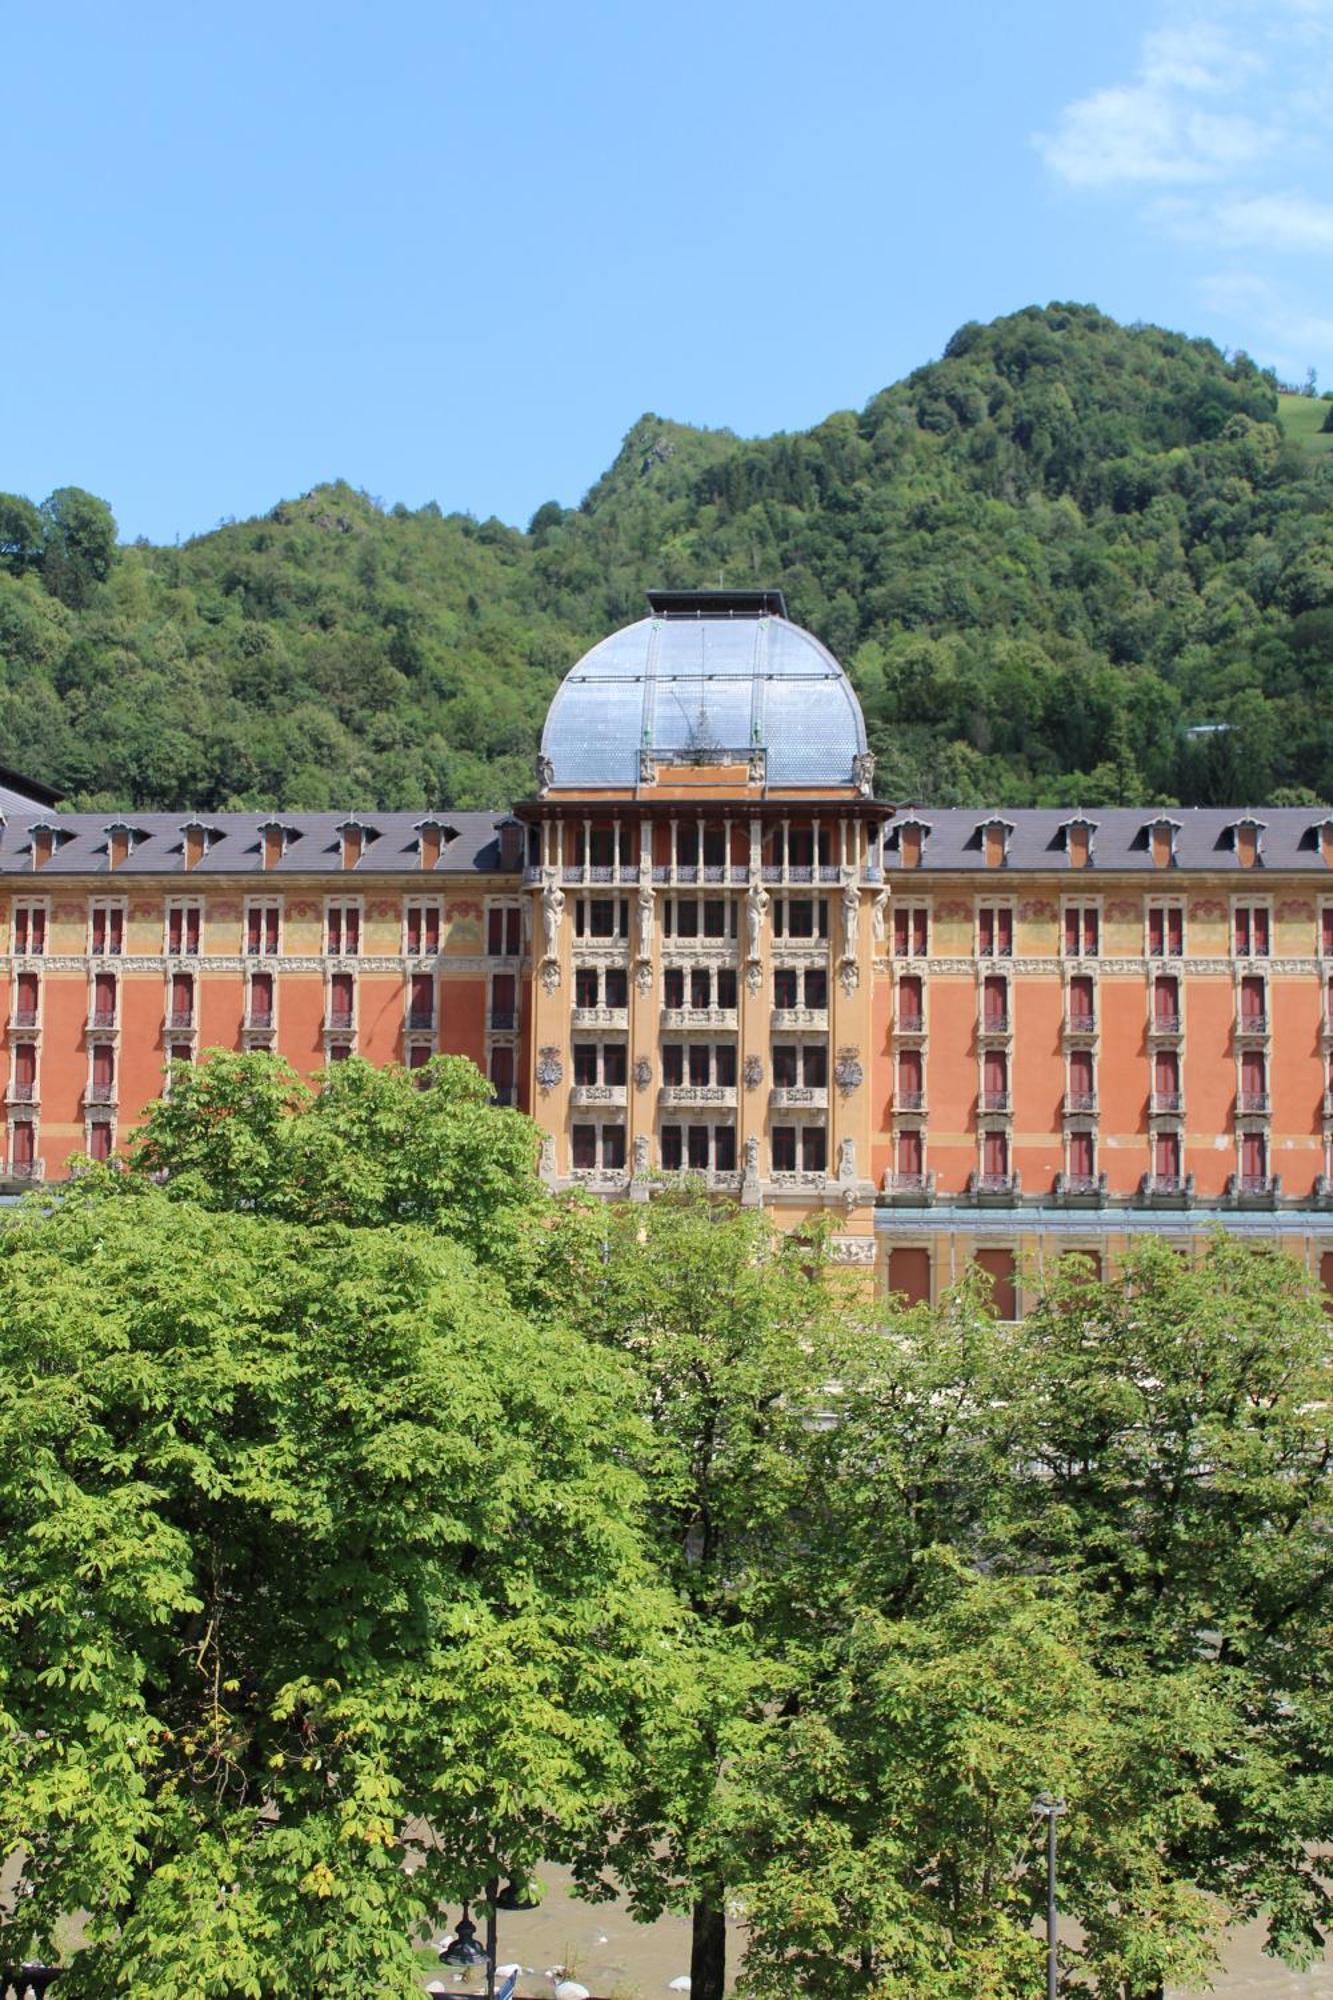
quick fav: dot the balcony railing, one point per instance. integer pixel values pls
(996, 1186)
(339, 1021)
(1251, 1102)
(909, 1100)
(911, 1024)
(600, 1017)
(259, 1020)
(995, 1024)
(1166, 1103)
(697, 1093)
(910, 1187)
(182, 1017)
(21, 1092)
(799, 1097)
(995, 1100)
(23, 1017)
(797, 1017)
(1082, 1022)
(102, 1017)
(692, 1017)
(27, 1170)
(597, 1093)
(1252, 1024)
(1166, 1187)
(1082, 1101)
(504, 1019)
(1164, 1024)
(99, 1093)
(420, 1020)
(505, 1093)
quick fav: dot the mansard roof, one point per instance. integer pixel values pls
(314, 846)
(1205, 840)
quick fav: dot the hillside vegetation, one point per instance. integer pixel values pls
(1043, 558)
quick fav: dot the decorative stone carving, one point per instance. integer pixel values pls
(847, 1160)
(547, 1167)
(752, 1070)
(756, 909)
(847, 1071)
(863, 771)
(550, 975)
(752, 1159)
(849, 976)
(553, 910)
(545, 774)
(641, 1154)
(879, 916)
(550, 1068)
(643, 976)
(754, 977)
(647, 768)
(758, 772)
(851, 913)
(647, 913)
(855, 1250)
(643, 1076)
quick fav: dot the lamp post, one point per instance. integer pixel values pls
(1048, 1808)
(463, 1949)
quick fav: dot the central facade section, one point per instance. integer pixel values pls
(708, 904)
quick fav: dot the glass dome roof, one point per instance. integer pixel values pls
(697, 686)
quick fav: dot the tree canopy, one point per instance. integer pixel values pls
(1043, 558)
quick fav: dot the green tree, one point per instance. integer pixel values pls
(78, 543)
(324, 1592)
(732, 1332)
(20, 533)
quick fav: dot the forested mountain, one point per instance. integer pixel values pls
(1045, 559)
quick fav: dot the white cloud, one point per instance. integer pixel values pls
(1290, 221)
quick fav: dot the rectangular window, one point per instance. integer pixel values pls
(26, 994)
(585, 1064)
(782, 1148)
(687, 917)
(1082, 1088)
(1166, 930)
(104, 1069)
(726, 989)
(673, 986)
(911, 1153)
(583, 1146)
(1166, 1157)
(995, 932)
(785, 978)
(715, 917)
(421, 1001)
(261, 929)
(1253, 1079)
(1166, 1003)
(99, 1139)
(613, 1148)
(910, 1002)
(1326, 930)
(699, 1055)
(586, 986)
(182, 999)
(995, 1004)
(724, 1066)
(418, 1055)
(1082, 1156)
(911, 931)
(909, 1273)
(701, 986)
(1253, 1000)
(814, 1066)
(995, 1156)
(673, 1065)
(502, 1073)
(23, 1147)
(29, 929)
(910, 1090)
(261, 1000)
(1250, 930)
(697, 1136)
(422, 929)
(504, 1002)
(614, 1064)
(785, 1060)
(995, 1080)
(814, 1149)
(342, 1000)
(670, 1149)
(616, 986)
(1254, 1157)
(1082, 930)
(503, 930)
(816, 988)
(724, 1148)
(104, 1000)
(183, 926)
(342, 930)
(1001, 1267)
(108, 929)
(1081, 1003)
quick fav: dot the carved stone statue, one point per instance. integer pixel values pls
(879, 916)
(647, 913)
(641, 1154)
(863, 771)
(851, 913)
(752, 1159)
(756, 909)
(553, 909)
(545, 774)
(847, 1160)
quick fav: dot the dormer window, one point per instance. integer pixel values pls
(46, 838)
(994, 835)
(1078, 835)
(274, 840)
(1321, 834)
(121, 841)
(1247, 841)
(433, 836)
(354, 837)
(1161, 836)
(909, 835)
(196, 839)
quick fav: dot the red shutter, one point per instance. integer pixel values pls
(1166, 1156)
(1253, 1156)
(1261, 933)
(909, 1070)
(1081, 1156)
(1252, 997)
(1241, 932)
(995, 1072)
(104, 1065)
(919, 924)
(1252, 1072)
(495, 932)
(175, 933)
(901, 932)
(995, 1001)
(995, 1155)
(22, 1153)
(909, 1273)
(1004, 933)
(1091, 933)
(413, 928)
(1156, 933)
(1080, 1073)
(1071, 933)
(986, 933)
(352, 931)
(909, 1153)
(1002, 1268)
(1080, 1000)
(1175, 932)
(1166, 1075)
(192, 929)
(1166, 1000)
(25, 1065)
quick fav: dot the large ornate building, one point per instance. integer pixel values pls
(704, 946)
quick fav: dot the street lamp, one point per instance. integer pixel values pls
(1048, 1808)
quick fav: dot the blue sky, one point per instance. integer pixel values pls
(453, 252)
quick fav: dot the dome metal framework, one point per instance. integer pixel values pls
(707, 677)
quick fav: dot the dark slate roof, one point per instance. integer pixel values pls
(314, 846)
(1289, 837)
